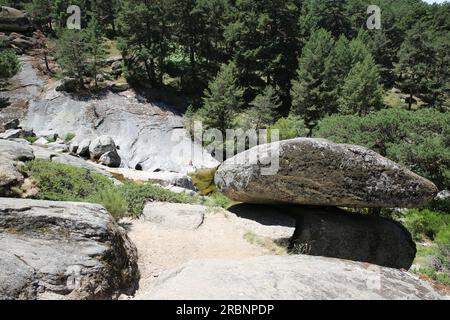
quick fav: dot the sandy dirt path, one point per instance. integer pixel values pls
(161, 248)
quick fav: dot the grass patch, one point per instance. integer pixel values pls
(69, 137)
(61, 182)
(439, 277)
(31, 139)
(137, 194)
(219, 200)
(266, 243)
(203, 180)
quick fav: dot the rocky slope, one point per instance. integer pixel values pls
(150, 137)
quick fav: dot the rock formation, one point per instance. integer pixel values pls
(319, 172)
(14, 20)
(63, 250)
(288, 278)
(151, 136)
(315, 176)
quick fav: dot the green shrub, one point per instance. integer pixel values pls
(289, 128)
(60, 182)
(218, 200)
(31, 139)
(9, 64)
(425, 223)
(113, 200)
(69, 137)
(442, 278)
(136, 195)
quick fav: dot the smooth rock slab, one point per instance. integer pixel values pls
(320, 172)
(335, 233)
(288, 278)
(175, 215)
(75, 250)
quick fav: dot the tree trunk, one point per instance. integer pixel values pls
(410, 99)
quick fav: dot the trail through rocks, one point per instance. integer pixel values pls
(161, 248)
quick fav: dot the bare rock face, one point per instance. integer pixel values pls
(289, 278)
(14, 20)
(335, 233)
(67, 250)
(323, 173)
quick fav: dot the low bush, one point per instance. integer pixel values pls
(136, 195)
(69, 137)
(425, 223)
(60, 182)
(113, 200)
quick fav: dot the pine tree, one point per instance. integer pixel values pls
(145, 37)
(361, 91)
(72, 54)
(264, 108)
(413, 65)
(310, 92)
(96, 46)
(264, 35)
(221, 100)
(338, 66)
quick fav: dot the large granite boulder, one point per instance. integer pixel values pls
(15, 151)
(14, 20)
(110, 159)
(320, 172)
(63, 250)
(288, 278)
(11, 155)
(100, 146)
(335, 233)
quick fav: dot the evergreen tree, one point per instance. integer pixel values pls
(96, 45)
(310, 92)
(221, 100)
(361, 91)
(264, 108)
(145, 37)
(413, 65)
(72, 54)
(324, 14)
(338, 66)
(9, 66)
(264, 36)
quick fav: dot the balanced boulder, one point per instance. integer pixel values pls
(63, 250)
(320, 172)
